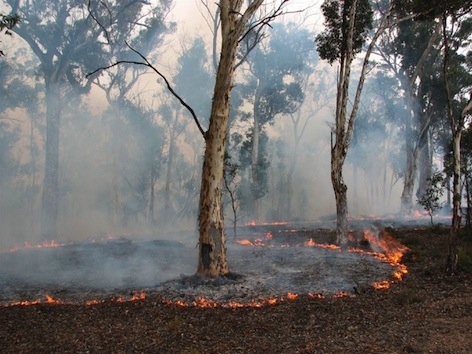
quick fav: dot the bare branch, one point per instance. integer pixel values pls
(146, 63)
(89, 8)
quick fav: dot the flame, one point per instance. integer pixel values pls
(51, 300)
(207, 303)
(385, 284)
(44, 244)
(245, 242)
(341, 294)
(385, 249)
(255, 223)
(417, 214)
(138, 296)
(311, 243)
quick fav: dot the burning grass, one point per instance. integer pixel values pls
(426, 312)
(277, 267)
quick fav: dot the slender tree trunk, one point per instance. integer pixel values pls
(457, 125)
(50, 195)
(452, 258)
(342, 132)
(170, 165)
(32, 186)
(255, 154)
(212, 261)
(467, 191)
(151, 218)
(340, 193)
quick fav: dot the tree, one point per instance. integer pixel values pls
(416, 43)
(280, 68)
(453, 22)
(235, 24)
(193, 71)
(457, 125)
(212, 260)
(68, 41)
(347, 24)
(431, 198)
(145, 34)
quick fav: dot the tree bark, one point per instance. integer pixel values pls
(457, 126)
(409, 178)
(342, 133)
(212, 261)
(255, 154)
(425, 166)
(50, 194)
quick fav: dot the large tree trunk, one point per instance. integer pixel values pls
(409, 178)
(340, 193)
(212, 260)
(425, 167)
(50, 195)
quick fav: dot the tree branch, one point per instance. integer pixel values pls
(146, 63)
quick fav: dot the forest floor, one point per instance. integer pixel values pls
(426, 312)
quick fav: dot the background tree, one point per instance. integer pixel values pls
(451, 25)
(415, 46)
(125, 112)
(347, 24)
(68, 42)
(279, 68)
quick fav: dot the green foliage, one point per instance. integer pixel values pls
(194, 81)
(431, 199)
(279, 70)
(332, 42)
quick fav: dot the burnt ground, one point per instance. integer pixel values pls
(424, 313)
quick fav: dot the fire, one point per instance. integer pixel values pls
(48, 300)
(51, 300)
(207, 303)
(385, 249)
(255, 223)
(385, 284)
(245, 242)
(44, 244)
(311, 243)
(256, 242)
(139, 296)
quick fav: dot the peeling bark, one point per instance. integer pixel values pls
(212, 249)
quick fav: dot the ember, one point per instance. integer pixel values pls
(279, 264)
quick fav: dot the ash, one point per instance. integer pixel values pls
(103, 270)
(268, 273)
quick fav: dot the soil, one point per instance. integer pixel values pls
(426, 312)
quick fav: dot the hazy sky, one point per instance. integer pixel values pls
(188, 14)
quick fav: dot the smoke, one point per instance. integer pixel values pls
(121, 176)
